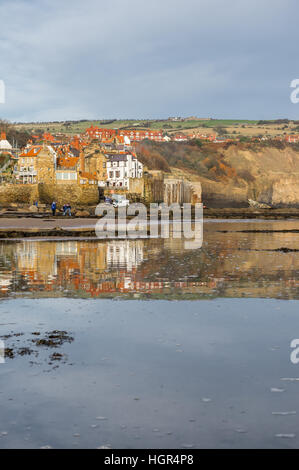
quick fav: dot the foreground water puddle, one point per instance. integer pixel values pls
(195, 351)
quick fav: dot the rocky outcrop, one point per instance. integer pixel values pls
(82, 213)
(266, 175)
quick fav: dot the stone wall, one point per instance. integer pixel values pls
(149, 189)
(18, 193)
(45, 193)
(64, 193)
(136, 186)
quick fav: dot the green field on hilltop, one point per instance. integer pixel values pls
(77, 127)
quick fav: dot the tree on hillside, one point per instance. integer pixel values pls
(14, 135)
(221, 131)
(4, 125)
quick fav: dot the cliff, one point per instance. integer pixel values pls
(232, 173)
(267, 175)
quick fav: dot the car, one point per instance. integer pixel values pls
(119, 200)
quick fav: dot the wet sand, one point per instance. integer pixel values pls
(22, 227)
(27, 223)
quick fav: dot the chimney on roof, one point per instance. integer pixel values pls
(82, 161)
(3, 136)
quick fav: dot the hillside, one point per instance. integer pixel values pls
(232, 173)
(230, 127)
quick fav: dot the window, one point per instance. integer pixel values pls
(66, 175)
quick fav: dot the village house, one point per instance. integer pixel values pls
(180, 137)
(79, 164)
(206, 137)
(292, 139)
(36, 164)
(5, 146)
(93, 166)
(67, 163)
(220, 140)
(122, 167)
(94, 132)
(136, 135)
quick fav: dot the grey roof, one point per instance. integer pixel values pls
(75, 151)
(117, 158)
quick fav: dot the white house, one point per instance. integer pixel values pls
(122, 167)
(4, 144)
(124, 253)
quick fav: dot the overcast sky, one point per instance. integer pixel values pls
(77, 59)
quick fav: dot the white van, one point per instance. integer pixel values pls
(119, 200)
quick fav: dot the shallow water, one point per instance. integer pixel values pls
(211, 368)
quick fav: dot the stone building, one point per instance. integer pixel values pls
(92, 166)
(121, 168)
(36, 164)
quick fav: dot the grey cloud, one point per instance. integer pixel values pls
(83, 59)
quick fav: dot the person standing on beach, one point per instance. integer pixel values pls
(53, 207)
(68, 209)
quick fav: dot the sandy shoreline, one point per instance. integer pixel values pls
(24, 227)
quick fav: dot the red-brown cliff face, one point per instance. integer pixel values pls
(231, 174)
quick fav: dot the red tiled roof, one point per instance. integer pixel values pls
(31, 151)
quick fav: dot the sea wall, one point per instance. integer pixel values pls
(18, 193)
(148, 189)
(46, 193)
(64, 193)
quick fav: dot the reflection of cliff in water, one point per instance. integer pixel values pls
(229, 264)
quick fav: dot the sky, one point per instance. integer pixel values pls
(95, 59)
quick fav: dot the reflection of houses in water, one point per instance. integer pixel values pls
(66, 248)
(126, 254)
(35, 261)
(88, 266)
(6, 280)
(93, 267)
